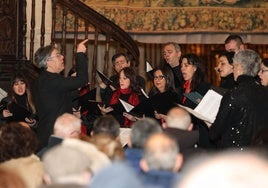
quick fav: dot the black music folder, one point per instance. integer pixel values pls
(107, 81)
(19, 112)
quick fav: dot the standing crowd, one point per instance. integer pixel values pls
(51, 134)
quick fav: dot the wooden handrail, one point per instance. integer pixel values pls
(102, 24)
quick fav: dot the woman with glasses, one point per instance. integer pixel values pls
(163, 95)
(263, 73)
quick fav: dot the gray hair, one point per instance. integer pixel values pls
(162, 156)
(176, 46)
(249, 60)
(178, 118)
(142, 129)
(41, 56)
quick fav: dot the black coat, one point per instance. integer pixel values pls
(52, 95)
(237, 116)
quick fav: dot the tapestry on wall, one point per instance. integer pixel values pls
(181, 16)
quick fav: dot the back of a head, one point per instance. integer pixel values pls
(160, 152)
(63, 163)
(16, 141)
(232, 169)
(106, 125)
(141, 130)
(67, 126)
(178, 118)
(109, 146)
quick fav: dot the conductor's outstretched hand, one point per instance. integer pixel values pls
(81, 47)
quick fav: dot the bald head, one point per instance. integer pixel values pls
(179, 118)
(67, 126)
(233, 169)
(161, 152)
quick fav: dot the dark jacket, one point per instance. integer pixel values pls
(236, 119)
(133, 157)
(228, 82)
(158, 178)
(52, 95)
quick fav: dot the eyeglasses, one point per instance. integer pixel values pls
(262, 71)
(160, 77)
(56, 55)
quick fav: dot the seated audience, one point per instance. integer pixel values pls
(66, 165)
(140, 132)
(161, 161)
(66, 126)
(116, 175)
(109, 146)
(179, 126)
(106, 124)
(17, 148)
(232, 169)
(10, 179)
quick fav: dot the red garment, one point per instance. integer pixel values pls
(187, 89)
(133, 100)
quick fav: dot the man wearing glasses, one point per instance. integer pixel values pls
(52, 91)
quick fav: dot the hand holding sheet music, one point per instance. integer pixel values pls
(208, 108)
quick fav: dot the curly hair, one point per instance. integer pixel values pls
(16, 141)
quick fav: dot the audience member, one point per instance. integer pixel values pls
(9, 179)
(51, 91)
(106, 124)
(161, 161)
(99, 160)
(140, 132)
(172, 55)
(67, 165)
(66, 126)
(230, 169)
(120, 61)
(17, 148)
(234, 43)
(225, 70)
(20, 106)
(117, 175)
(128, 92)
(236, 120)
(109, 146)
(179, 126)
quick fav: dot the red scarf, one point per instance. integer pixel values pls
(187, 89)
(133, 100)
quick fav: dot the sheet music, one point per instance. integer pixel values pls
(208, 108)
